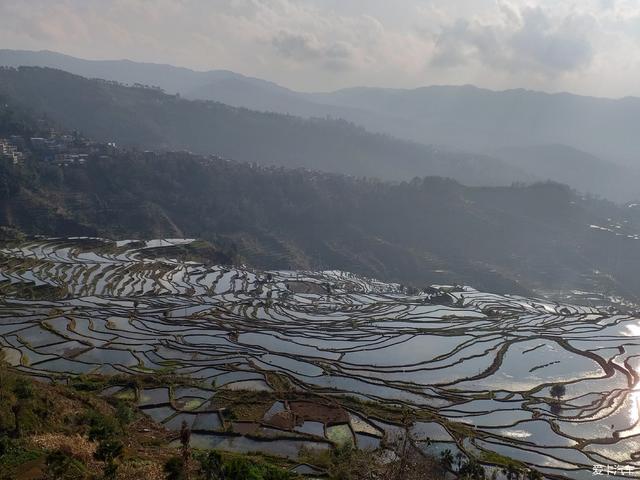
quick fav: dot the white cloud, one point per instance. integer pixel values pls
(307, 48)
(587, 46)
(527, 39)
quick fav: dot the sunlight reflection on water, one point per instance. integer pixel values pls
(633, 330)
(634, 410)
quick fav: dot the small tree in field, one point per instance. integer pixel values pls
(558, 391)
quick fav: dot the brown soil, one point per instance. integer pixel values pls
(317, 412)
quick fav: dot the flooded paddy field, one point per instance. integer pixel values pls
(282, 360)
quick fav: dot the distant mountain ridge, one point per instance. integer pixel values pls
(460, 118)
(219, 85)
(170, 78)
(581, 170)
(480, 119)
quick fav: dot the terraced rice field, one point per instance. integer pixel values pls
(330, 355)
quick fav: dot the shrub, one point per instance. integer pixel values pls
(124, 413)
(101, 427)
(174, 469)
(61, 466)
(23, 389)
(244, 469)
(108, 451)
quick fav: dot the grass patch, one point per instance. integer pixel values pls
(497, 459)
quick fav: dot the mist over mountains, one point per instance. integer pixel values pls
(516, 135)
(150, 119)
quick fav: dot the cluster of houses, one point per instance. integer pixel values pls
(70, 158)
(10, 150)
(59, 149)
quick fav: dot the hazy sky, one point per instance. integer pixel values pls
(583, 46)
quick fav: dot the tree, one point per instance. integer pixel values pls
(124, 413)
(7, 446)
(102, 427)
(3, 365)
(16, 409)
(241, 469)
(185, 438)
(108, 451)
(558, 391)
(23, 390)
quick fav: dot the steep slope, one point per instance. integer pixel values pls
(148, 118)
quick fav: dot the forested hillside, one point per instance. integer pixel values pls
(462, 116)
(148, 118)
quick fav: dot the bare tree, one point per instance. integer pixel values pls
(185, 439)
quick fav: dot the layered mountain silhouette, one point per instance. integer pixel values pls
(518, 239)
(509, 126)
(151, 119)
